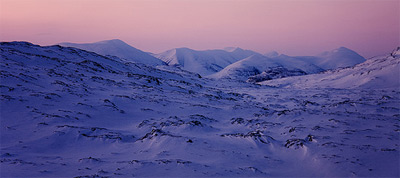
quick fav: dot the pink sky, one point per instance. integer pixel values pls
(293, 27)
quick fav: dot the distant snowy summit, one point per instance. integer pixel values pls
(338, 58)
(119, 49)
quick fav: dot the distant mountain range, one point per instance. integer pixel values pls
(229, 63)
(203, 62)
(263, 66)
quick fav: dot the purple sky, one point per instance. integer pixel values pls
(293, 27)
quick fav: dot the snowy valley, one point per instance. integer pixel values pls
(89, 112)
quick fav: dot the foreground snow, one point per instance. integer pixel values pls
(67, 112)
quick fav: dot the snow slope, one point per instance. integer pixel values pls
(67, 112)
(377, 72)
(117, 48)
(203, 62)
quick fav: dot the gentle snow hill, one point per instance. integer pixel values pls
(293, 63)
(243, 69)
(117, 48)
(334, 59)
(203, 62)
(281, 66)
(375, 73)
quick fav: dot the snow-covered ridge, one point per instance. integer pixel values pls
(119, 49)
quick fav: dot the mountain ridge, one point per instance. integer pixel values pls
(116, 47)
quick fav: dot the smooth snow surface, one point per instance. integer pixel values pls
(67, 112)
(119, 49)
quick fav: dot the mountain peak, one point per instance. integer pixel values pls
(343, 48)
(257, 56)
(232, 49)
(271, 54)
(113, 41)
(339, 51)
(183, 49)
(340, 57)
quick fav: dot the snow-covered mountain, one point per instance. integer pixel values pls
(119, 49)
(243, 69)
(67, 112)
(260, 68)
(334, 59)
(273, 65)
(203, 62)
(377, 72)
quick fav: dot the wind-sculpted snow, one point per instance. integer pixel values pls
(66, 112)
